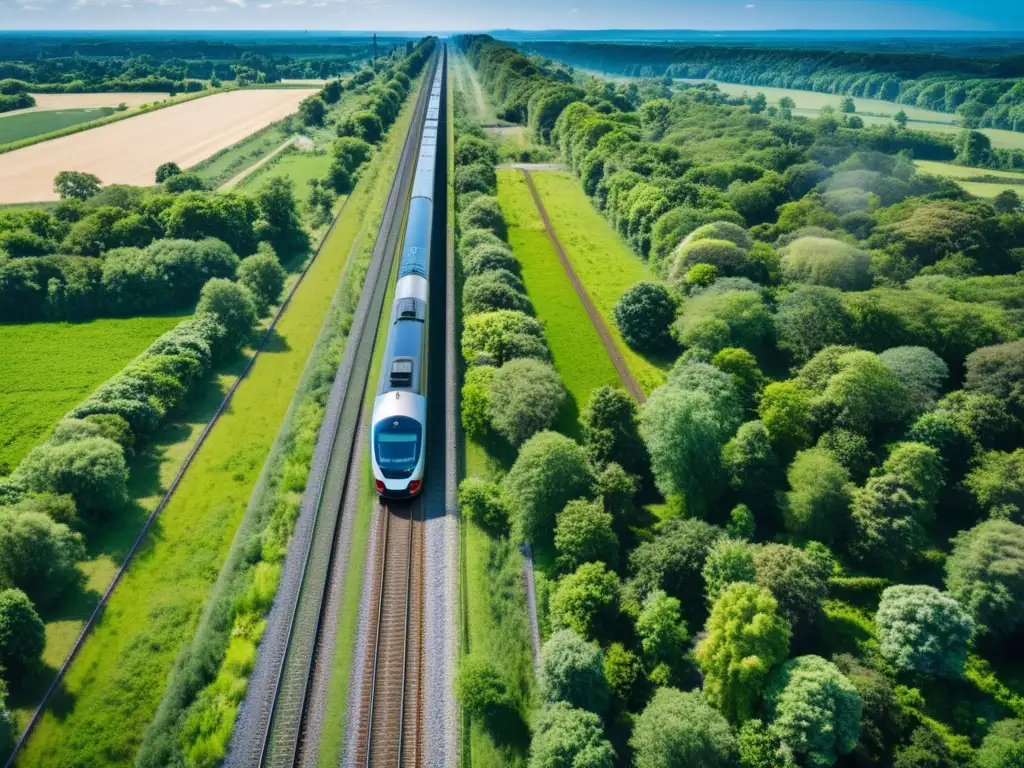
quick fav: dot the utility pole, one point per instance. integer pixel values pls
(374, 50)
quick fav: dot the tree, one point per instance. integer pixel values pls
(663, 637)
(312, 110)
(884, 717)
(622, 670)
(744, 640)
(864, 395)
(92, 471)
(847, 105)
(760, 748)
(998, 371)
(751, 466)
(715, 319)
(586, 600)
(476, 177)
(746, 375)
(476, 400)
(1003, 747)
(550, 471)
(742, 524)
(233, 307)
(38, 555)
(985, 574)
(730, 560)
(823, 261)
(471, 149)
(901, 119)
(818, 502)
(611, 430)
(924, 630)
(165, 171)
(485, 257)
(815, 710)
(795, 579)
(280, 224)
(567, 737)
(184, 182)
(997, 484)
(973, 148)
(572, 671)
(679, 729)
(525, 397)
(75, 184)
(331, 92)
(362, 124)
(497, 337)
(927, 749)
(921, 372)
(644, 315)
(851, 450)
(584, 533)
(263, 275)
(485, 504)
(483, 213)
(22, 633)
(809, 318)
(1007, 201)
(483, 693)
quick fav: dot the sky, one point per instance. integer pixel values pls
(462, 15)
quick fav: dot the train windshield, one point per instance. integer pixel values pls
(397, 445)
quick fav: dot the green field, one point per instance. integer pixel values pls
(17, 127)
(117, 681)
(298, 165)
(576, 349)
(228, 163)
(50, 367)
(605, 264)
(966, 177)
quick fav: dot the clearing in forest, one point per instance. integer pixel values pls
(51, 367)
(129, 151)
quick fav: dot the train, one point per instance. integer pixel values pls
(399, 424)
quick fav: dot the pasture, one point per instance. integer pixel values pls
(50, 367)
(31, 122)
(978, 181)
(296, 164)
(129, 151)
(604, 263)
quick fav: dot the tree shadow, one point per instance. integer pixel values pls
(28, 691)
(568, 419)
(276, 343)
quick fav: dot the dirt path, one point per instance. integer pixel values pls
(252, 168)
(630, 383)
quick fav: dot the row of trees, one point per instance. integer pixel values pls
(984, 92)
(796, 502)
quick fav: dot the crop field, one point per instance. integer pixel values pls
(50, 367)
(129, 151)
(118, 679)
(576, 349)
(35, 123)
(966, 177)
(51, 101)
(605, 264)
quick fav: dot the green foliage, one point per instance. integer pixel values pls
(232, 305)
(744, 640)
(76, 185)
(37, 555)
(567, 737)
(1003, 747)
(490, 291)
(922, 629)
(586, 600)
(742, 524)
(810, 318)
(729, 318)
(818, 502)
(572, 671)
(485, 504)
(823, 261)
(998, 371)
(611, 430)
(584, 534)
(525, 396)
(92, 471)
(785, 410)
(550, 471)
(476, 401)
(263, 275)
(796, 580)
(758, 747)
(166, 171)
(483, 213)
(622, 670)
(730, 560)
(483, 693)
(644, 314)
(497, 337)
(674, 559)
(664, 638)
(997, 484)
(742, 366)
(677, 729)
(279, 223)
(815, 710)
(22, 634)
(921, 372)
(184, 182)
(751, 466)
(985, 573)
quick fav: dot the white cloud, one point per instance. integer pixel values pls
(751, 5)
(264, 6)
(237, 3)
(208, 9)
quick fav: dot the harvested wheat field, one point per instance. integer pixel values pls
(49, 101)
(129, 151)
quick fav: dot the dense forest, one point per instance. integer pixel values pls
(838, 574)
(986, 93)
(48, 64)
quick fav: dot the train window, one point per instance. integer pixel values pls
(401, 372)
(407, 309)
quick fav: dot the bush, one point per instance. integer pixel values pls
(484, 695)
(985, 574)
(572, 671)
(476, 401)
(477, 177)
(681, 729)
(362, 124)
(567, 737)
(525, 397)
(483, 213)
(485, 504)
(550, 471)
(727, 259)
(473, 238)
(263, 275)
(921, 629)
(233, 307)
(486, 257)
(644, 315)
(486, 292)
(92, 471)
(823, 261)
(22, 633)
(37, 555)
(497, 337)
(470, 150)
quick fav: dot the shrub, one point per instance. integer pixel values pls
(485, 504)
(92, 471)
(483, 213)
(681, 729)
(472, 238)
(470, 150)
(550, 471)
(165, 171)
(482, 691)
(477, 177)
(924, 630)
(476, 401)
(263, 275)
(184, 182)
(823, 261)
(584, 533)
(22, 633)
(233, 307)
(727, 259)
(525, 396)
(37, 555)
(565, 736)
(644, 315)
(497, 337)
(572, 671)
(483, 292)
(485, 257)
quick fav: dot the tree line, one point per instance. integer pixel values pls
(838, 446)
(985, 93)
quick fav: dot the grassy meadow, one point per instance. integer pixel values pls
(50, 367)
(576, 349)
(297, 164)
(115, 685)
(982, 182)
(18, 127)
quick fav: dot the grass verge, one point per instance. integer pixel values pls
(605, 265)
(112, 690)
(576, 349)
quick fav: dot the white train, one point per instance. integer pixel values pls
(399, 424)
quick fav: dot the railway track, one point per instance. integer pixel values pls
(274, 727)
(391, 717)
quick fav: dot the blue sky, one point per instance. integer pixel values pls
(383, 15)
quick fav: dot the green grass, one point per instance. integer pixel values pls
(228, 163)
(17, 127)
(968, 177)
(605, 264)
(51, 367)
(576, 349)
(112, 690)
(298, 165)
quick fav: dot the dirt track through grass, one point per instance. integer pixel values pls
(129, 151)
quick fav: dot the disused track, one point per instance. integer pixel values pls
(392, 714)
